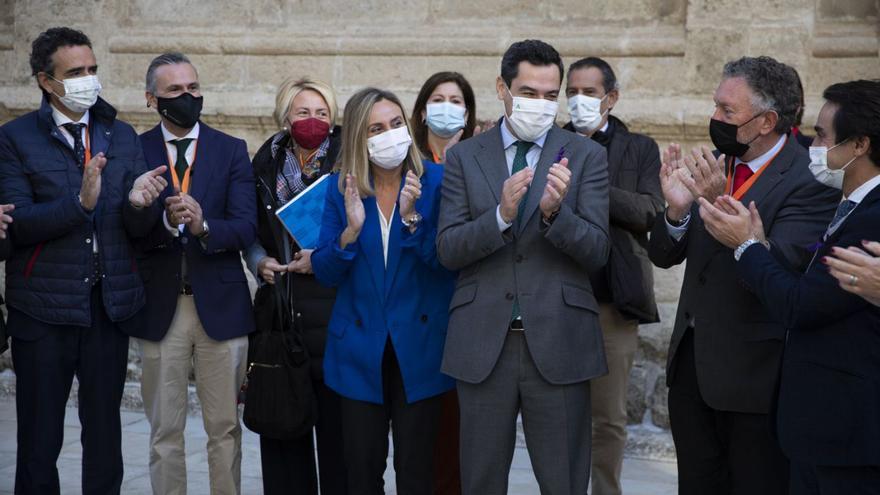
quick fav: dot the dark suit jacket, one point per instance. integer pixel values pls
(635, 200)
(545, 268)
(828, 409)
(223, 185)
(736, 341)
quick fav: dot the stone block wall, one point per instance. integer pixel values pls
(668, 56)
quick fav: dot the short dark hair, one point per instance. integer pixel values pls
(609, 80)
(535, 52)
(774, 85)
(420, 129)
(169, 58)
(799, 118)
(48, 42)
(858, 112)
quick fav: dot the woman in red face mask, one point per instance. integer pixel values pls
(288, 162)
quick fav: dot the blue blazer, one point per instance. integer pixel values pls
(827, 409)
(223, 185)
(408, 301)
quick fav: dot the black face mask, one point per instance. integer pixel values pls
(183, 110)
(724, 137)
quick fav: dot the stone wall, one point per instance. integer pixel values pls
(667, 53)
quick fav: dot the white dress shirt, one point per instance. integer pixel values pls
(385, 226)
(190, 155)
(677, 232)
(508, 140)
(856, 197)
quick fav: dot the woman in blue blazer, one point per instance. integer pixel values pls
(388, 325)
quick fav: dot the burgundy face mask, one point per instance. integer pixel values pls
(309, 133)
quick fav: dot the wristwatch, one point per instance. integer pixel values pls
(738, 252)
(205, 230)
(412, 221)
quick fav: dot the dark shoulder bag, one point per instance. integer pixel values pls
(280, 401)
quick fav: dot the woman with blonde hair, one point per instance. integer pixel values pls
(304, 149)
(388, 325)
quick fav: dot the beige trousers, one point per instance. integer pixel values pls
(608, 399)
(219, 372)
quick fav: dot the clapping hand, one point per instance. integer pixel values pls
(354, 213)
(731, 223)
(147, 187)
(706, 178)
(672, 181)
(857, 270)
(91, 182)
(558, 181)
(411, 192)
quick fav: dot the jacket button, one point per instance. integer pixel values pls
(508, 296)
(687, 316)
(701, 279)
(86, 280)
(268, 207)
(519, 258)
(88, 240)
(358, 322)
(184, 240)
(424, 318)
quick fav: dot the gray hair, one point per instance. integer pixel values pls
(774, 87)
(169, 58)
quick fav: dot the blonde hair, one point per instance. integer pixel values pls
(354, 158)
(292, 87)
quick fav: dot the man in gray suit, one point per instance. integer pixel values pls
(524, 218)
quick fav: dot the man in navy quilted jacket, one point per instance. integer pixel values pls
(80, 189)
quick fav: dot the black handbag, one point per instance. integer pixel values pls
(280, 400)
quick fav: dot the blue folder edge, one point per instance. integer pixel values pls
(302, 215)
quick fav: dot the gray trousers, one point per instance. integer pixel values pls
(556, 423)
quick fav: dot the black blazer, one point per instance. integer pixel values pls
(736, 341)
(311, 300)
(828, 407)
(635, 200)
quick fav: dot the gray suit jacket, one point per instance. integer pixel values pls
(545, 267)
(738, 344)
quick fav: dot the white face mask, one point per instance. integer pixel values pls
(586, 112)
(819, 166)
(388, 150)
(80, 93)
(444, 118)
(531, 118)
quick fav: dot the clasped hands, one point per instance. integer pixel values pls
(517, 185)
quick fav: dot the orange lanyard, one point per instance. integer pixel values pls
(304, 161)
(88, 147)
(435, 156)
(744, 188)
(184, 187)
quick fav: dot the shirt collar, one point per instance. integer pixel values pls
(860, 192)
(762, 160)
(61, 119)
(507, 137)
(168, 136)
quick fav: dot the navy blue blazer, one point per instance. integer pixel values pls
(828, 402)
(408, 301)
(223, 184)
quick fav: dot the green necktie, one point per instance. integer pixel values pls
(181, 165)
(519, 163)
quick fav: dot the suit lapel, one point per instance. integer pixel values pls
(203, 168)
(772, 175)
(493, 163)
(552, 145)
(371, 243)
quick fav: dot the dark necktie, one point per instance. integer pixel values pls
(519, 163)
(843, 210)
(741, 175)
(79, 149)
(180, 165)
